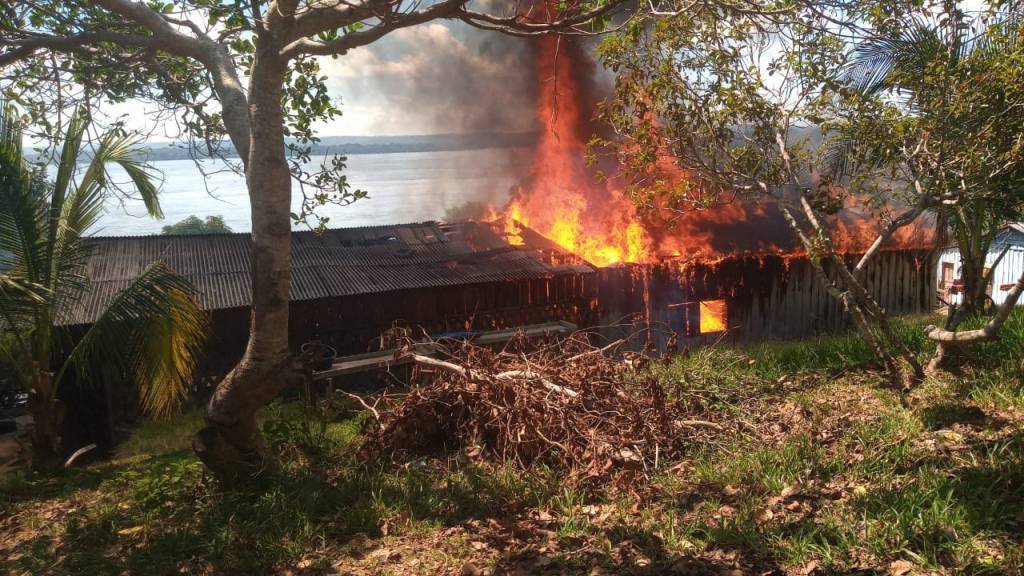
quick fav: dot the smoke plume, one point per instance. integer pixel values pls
(434, 79)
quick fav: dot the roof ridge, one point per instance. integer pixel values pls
(435, 223)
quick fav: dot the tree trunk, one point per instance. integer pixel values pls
(47, 416)
(231, 444)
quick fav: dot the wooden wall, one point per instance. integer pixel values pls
(353, 324)
(767, 298)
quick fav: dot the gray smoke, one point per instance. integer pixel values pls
(440, 77)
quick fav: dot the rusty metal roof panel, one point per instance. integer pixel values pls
(342, 262)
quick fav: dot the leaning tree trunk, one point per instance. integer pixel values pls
(231, 444)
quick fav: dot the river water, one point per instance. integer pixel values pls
(405, 187)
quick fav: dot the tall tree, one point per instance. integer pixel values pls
(952, 83)
(247, 70)
(150, 332)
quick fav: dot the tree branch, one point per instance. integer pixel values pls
(165, 36)
(389, 23)
(23, 48)
(215, 57)
(986, 332)
(521, 26)
(904, 219)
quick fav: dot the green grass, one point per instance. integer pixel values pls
(834, 470)
(167, 504)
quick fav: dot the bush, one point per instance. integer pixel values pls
(193, 225)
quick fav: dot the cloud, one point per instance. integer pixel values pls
(435, 78)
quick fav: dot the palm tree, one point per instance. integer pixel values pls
(151, 331)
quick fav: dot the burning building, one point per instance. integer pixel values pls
(734, 271)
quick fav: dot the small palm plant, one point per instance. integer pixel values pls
(151, 331)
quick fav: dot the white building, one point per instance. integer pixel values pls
(1007, 272)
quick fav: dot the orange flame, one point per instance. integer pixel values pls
(562, 201)
(713, 316)
(598, 221)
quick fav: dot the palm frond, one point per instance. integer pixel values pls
(877, 63)
(22, 212)
(152, 332)
(1002, 36)
(838, 158)
(123, 150)
(18, 298)
(19, 302)
(85, 204)
(66, 168)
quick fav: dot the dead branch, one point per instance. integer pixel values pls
(562, 403)
(527, 375)
(618, 342)
(367, 407)
(427, 360)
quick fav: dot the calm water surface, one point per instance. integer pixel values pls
(402, 188)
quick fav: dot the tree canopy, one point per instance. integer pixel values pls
(193, 225)
(895, 108)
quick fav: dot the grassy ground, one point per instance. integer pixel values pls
(829, 473)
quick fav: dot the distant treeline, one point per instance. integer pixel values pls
(376, 144)
(349, 145)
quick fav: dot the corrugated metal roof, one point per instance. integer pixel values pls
(340, 262)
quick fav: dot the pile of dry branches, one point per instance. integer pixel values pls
(563, 403)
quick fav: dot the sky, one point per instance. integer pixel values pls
(435, 78)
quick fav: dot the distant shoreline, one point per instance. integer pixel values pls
(353, 145)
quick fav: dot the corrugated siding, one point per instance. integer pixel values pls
(1009, 270)
(336, 263)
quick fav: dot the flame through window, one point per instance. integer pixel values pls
(713, 316)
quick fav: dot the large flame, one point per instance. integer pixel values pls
(596, 220)
(562, 201)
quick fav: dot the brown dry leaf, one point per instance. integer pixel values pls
(478, 545)
(542, 562)
(130, 531)
(765, 515)
(809, 568)
(730, 490)
(382, 554)
(900, 567)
